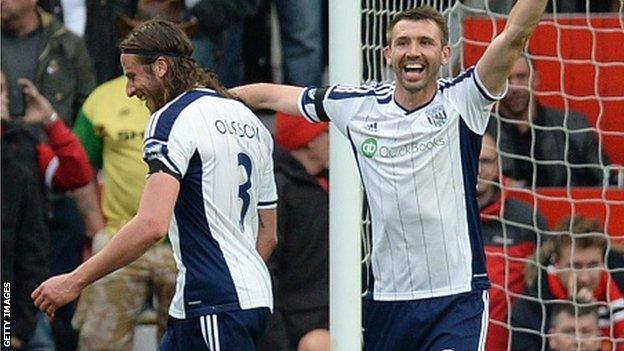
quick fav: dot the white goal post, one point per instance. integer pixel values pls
(345, 196)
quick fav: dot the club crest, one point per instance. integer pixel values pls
(437, 116)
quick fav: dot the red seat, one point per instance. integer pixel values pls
(591, 56)
(556, 204)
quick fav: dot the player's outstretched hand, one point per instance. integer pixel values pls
(55, 293)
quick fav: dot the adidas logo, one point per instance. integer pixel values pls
(371, 126)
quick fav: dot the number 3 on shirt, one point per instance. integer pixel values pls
(243, 189)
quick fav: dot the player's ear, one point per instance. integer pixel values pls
(161, 66)
(446, 55)
(386, 52)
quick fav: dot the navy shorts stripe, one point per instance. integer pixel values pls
(225, 331)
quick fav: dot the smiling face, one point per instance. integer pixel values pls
(415, 53)
(144, 81)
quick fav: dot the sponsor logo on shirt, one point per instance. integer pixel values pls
(126, 134)
(437, 116)
(370, 147)
(412, 148)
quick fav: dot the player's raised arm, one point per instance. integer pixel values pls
(277, 97)
(498, 59)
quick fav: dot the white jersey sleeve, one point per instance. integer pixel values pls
(169, 142)
(267, 191)
(340, 103)
(471, 99)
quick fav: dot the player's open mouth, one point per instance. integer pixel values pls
(414, 67)
(414, 70)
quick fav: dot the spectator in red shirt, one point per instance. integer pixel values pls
(62, 162)
(574, 267)
(59, 165)
(510, 233)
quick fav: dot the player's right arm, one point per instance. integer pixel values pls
(133, 240)
(500, 56)
(277, 97)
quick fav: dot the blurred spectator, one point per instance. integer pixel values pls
(299, 265)
(218, 43)
(574, 327)
(302, 40)
(111, 127)
(257, 46)
(28, 168)
(25, 253)
(25, 237)
(542, 146)
(510, 237)
(95, 22)
(574, 269)
(36, 46)
(301, 34)
(61, 164)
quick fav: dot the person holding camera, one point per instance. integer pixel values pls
(29, 169)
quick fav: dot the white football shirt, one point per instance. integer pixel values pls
(222, 155)
(419, 170)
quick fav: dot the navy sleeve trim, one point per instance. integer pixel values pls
(318, 104)
(156, 166)
(267, 203)
(481, 89)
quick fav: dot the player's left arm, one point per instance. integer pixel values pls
(496, 63)
(267, 233)
(149, 226)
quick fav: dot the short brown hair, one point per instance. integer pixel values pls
(157, 37)
(580, 309)
(422, 13)
(594, 235)
(581, 231)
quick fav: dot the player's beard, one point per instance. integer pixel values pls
(157, 97)
(160, 100)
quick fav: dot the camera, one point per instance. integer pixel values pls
(17, 104)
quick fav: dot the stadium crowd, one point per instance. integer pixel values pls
(73, 173)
